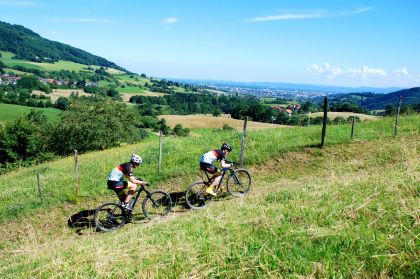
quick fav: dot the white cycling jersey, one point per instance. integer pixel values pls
(211, 156)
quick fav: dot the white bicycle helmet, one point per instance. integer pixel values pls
(136, 159)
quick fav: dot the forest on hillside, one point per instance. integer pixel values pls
(28, 45)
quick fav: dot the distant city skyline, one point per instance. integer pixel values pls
(339, 43)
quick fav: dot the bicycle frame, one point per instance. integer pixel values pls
(136, 197)
(224, 170)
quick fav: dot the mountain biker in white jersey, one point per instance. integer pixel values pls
(206, 161)
(117, 183)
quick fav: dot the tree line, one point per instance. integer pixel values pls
(238, 107)
(86, 125)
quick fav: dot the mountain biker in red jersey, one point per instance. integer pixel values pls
(206, 161)
(117, 183)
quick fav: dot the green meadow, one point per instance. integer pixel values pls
(348, 210)
(127, 78)
(7, 58)
(130, 89)
(9, 112)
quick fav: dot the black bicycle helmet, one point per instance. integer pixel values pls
(227, 147)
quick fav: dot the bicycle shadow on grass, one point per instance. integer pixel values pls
(82, 220)
(178, 200)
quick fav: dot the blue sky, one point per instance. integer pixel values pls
(346, 43)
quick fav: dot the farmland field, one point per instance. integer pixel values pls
(67, 92)
(9, 112)
(126, 96)
(62, 93)
(345, 115)
(207, 121)
(268, 101)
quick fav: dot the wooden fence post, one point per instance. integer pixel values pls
(397, 119)
(160, 150)
(243, 142)
(309, 118)
(352, 127)
(76, 172)
(324, 122)
(39, 188)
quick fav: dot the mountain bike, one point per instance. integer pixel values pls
(111, 216)
(238, 184)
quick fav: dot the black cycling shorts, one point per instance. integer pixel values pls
(117, 185)
(208, 167)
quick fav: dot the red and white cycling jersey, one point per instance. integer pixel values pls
(119, 171)
(211, 156)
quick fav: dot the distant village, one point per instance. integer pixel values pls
(10, 79)
(290, 109)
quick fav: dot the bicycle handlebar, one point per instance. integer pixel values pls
(232, 163)
(147, 182)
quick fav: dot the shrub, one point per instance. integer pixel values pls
(226, 127)
(88, 126)
(180, 131)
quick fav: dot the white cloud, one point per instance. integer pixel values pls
(325, 69)
(366, 71)
(285, 17)
(365, 75)
(312, 14)
(329, 71)
(170, 20)
(354, 12)
(401, 72)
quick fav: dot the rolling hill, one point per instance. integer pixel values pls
(28, 45)
(410, 96)
(371, 101)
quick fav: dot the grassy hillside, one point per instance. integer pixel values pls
(180, 156)
(28, 45)
(207, 121)
(8, 59)
(345, 115)
(349, 210)
(10, 112)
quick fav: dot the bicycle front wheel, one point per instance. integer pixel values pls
(196, 196)
(157, 204)
(239, 183)
(110, 216)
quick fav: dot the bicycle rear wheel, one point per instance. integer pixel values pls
(196, 196)
(157, 204)
(110, 216)
(239, 183)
